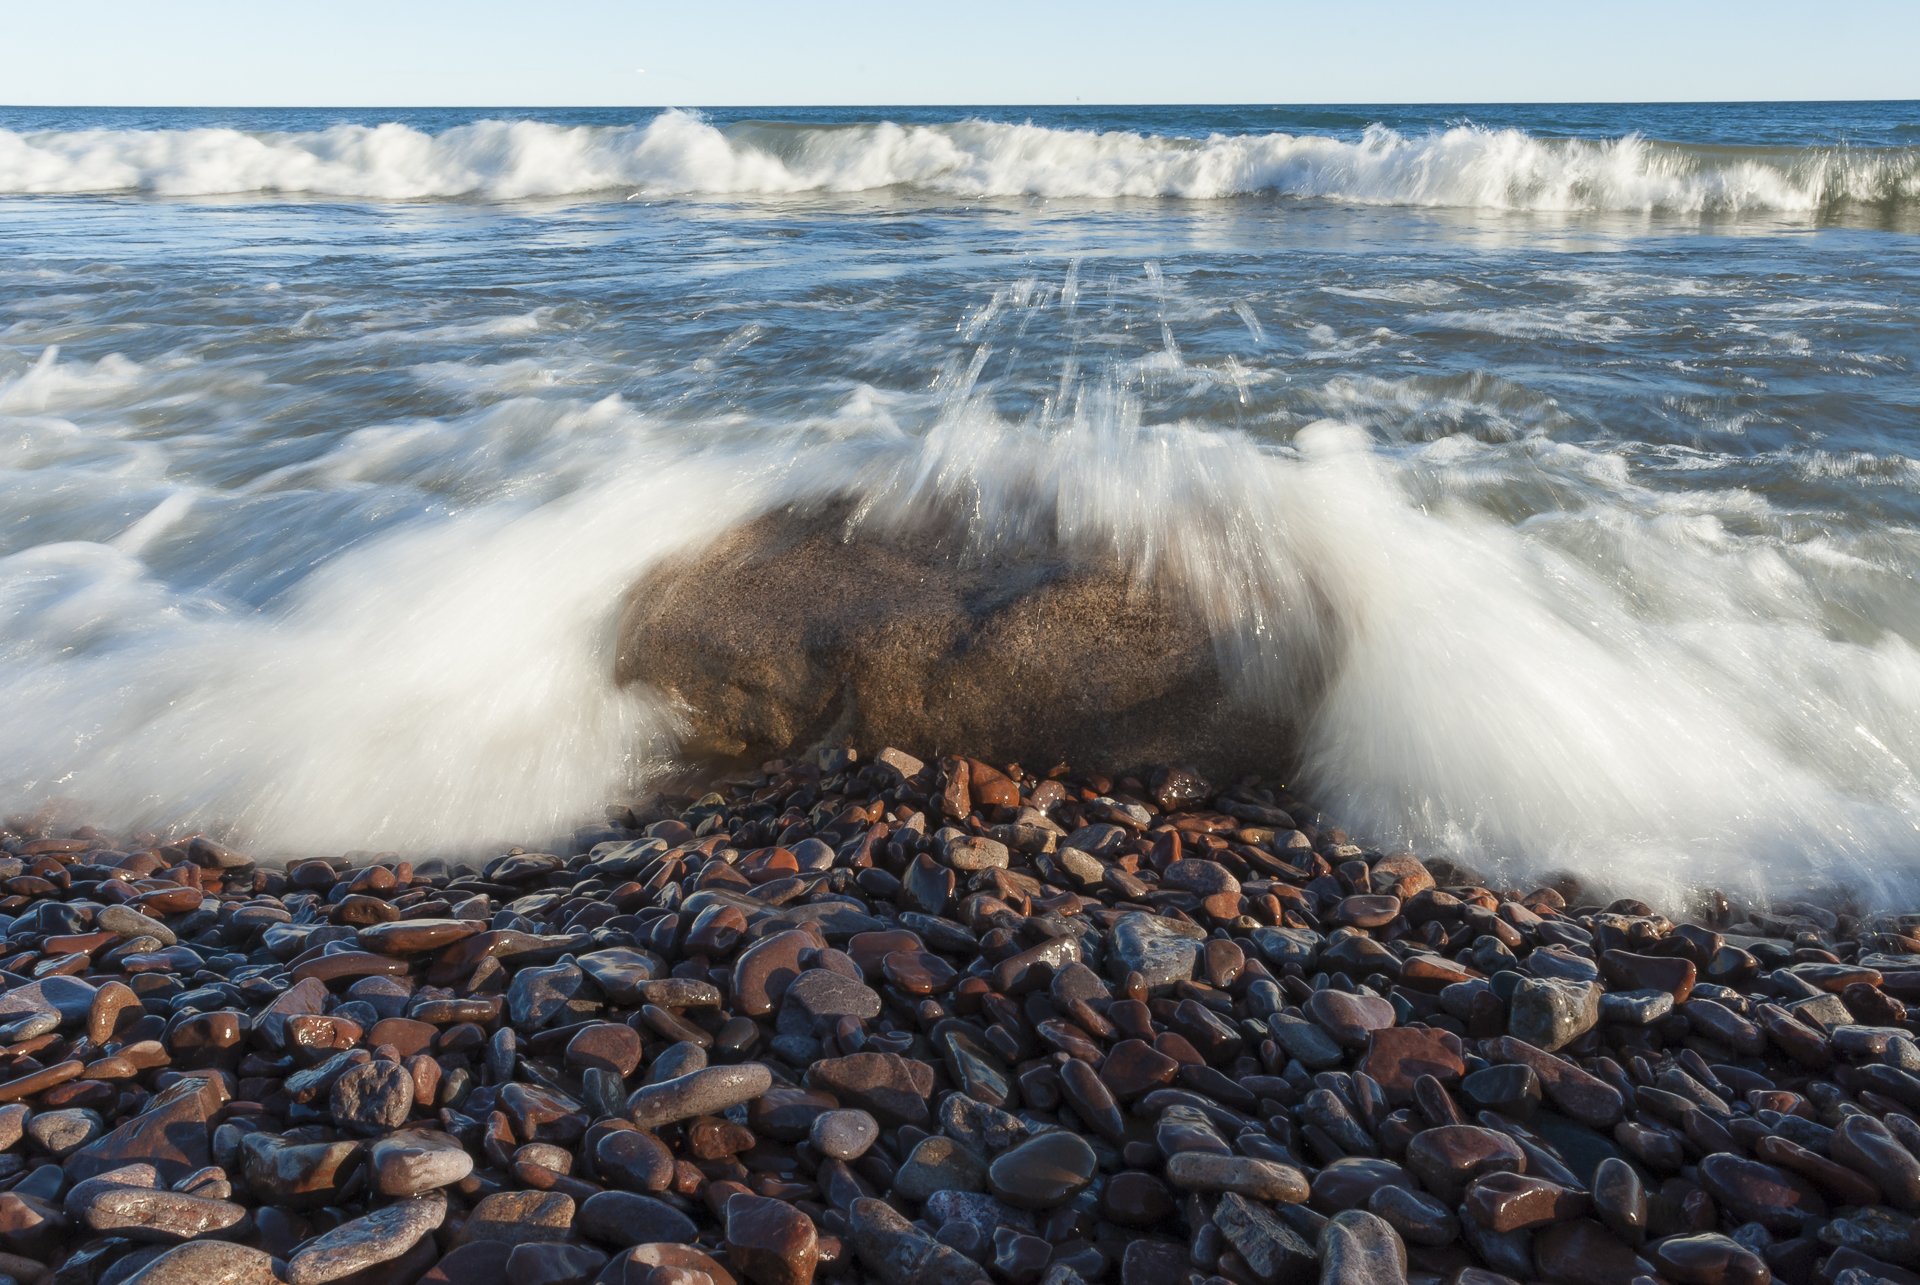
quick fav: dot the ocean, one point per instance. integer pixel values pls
(1587, 437)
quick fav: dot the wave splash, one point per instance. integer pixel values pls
(679, 153)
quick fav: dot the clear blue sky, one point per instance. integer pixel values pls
(599, 53)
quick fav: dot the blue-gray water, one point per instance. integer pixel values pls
(1584, 436)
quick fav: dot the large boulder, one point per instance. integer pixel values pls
(799, 629)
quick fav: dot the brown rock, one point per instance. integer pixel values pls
(518, 1217)
(1399, 1056)
(891, 637)
(771, 1242)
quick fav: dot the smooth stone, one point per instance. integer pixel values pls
(1349, 1019)
(518, 1217)
(1620, 1201)
(1757, 1192)
(1582, 1252)
(708, 1092)
(1418, 1217)
(1262, 1180)
(844, 1135)
(1709, 1259)
(207, 1262)
(1504, 1202)
(412, 1162)
(1044, 1172)
(891, 1088)
(770, 1241)
(1397, 1058)
(1359, 1248)
(628, 1218)
(376, 1238)
(546, 1263)
(635, 1160)
(1448, 1158)
(937, 1164)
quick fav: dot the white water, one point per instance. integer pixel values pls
(679, 153)
(448, 683)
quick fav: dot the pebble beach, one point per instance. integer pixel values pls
(859, 1019)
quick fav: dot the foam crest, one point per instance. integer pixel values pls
(680, 153)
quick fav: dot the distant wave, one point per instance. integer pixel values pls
(680, 153)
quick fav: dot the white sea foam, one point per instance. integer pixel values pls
(1489, 690)
(680, 153)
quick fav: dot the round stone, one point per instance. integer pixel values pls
(844, 1135)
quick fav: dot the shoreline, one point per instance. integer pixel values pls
(927, 1023)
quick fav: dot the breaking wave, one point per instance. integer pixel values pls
(681, 153)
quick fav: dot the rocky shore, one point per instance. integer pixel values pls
(911, 1023)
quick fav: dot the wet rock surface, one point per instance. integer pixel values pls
(936, 1023)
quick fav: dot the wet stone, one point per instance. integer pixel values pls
(1709, 1260)
(208, 1262)
(628, 1218)
(1349, 1019)
(770, 1242)
(844, 1135)
(408, 1164)
(1044, 1172)
(939, 1164)
(378, 1237)
(611, 1046)
(707, 1092)
(1582, 1252)
(518, 1217)
(1418, 1218)
(1446, 1159)
(373, 1096)
(1359, 1248)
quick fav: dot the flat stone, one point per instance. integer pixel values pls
(520, 1217)
(207, 1262)
(1262, 1180)
(1418, 1218)
(893, 1089)
(173, 1134)
(1396, 1058)
(377, 1237)
(1450, 1157)
(1350, 1019)
(1511, 1201)
(299, 1176)
(150, 1214)
(417, 1161)
(1584, 1097)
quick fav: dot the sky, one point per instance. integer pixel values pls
(595, 53)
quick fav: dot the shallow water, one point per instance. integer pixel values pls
(1582, 437)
